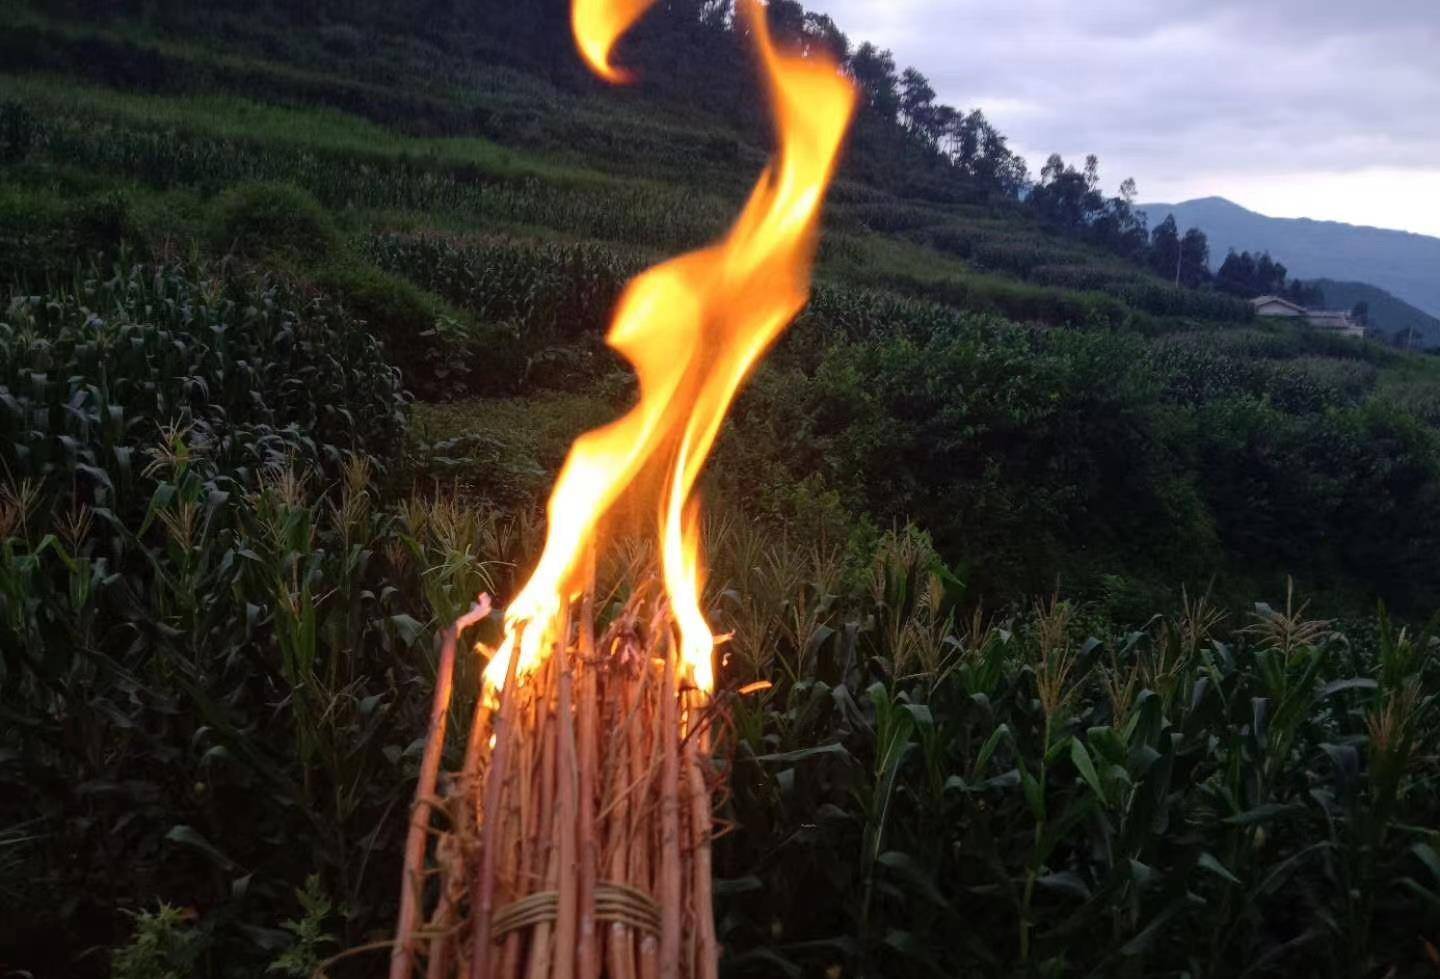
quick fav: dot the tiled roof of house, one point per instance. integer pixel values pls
(1259, 301)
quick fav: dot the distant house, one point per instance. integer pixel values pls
(1330, 320)
(1275, 306)
(1335, 320)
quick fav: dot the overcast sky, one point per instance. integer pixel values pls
(1294, 108)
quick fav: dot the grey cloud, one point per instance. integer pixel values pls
(1219, 86)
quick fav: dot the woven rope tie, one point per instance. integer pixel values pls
(613, 902)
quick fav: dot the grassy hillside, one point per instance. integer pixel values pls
(302, 310)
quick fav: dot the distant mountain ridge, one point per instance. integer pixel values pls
(1400, 262)
(1387, 313)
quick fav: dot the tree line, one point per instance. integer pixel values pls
(1071, 202)
(695, 53)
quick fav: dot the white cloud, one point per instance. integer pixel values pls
(1324, 108)
(1382, 198)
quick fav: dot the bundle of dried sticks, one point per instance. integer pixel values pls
(575, 839)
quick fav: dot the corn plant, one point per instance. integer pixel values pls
(1186, 797)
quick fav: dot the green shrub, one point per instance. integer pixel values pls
(1082, 277)
(166, 945)
(552, 291)
(889, 216)
(543, 307)
(396, 310)
(1018, 301)
(45, 232)
(262, 220)
(1163, 299)
(32, 236)
(1032, 453)
(19, 131)
(994, 439)
(957, 241)
(103, 224)
(440, 351)
(1017, 258)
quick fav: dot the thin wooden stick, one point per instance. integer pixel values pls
(494, 781)
(567, 778)
(521, 852)
(642, 840)
(670, 886)
(622, 942)
(648, 837)
(587, 951)
(542, 842)
(696, 753)
(402, 958)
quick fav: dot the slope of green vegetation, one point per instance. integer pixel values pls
(302, 308)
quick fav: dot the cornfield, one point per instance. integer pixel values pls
(229, 545)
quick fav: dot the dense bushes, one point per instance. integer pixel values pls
(264, 220)
(1342, 496)
(1018, 301)
(542, 308)
(45, 234)
(1203, 367)
(1144, 293)
(1045, 793)
(883, 216)
(120, 62)
(1167, 300)
(552, 292)
(1029, 453)
(256, 375)
(20, 130)
(197, 632)
(1088, 278)
(1002, 250)
(1022, 451)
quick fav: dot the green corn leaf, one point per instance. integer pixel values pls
(1141, 942)
(1208, 862)
(802, 754)
(908, 870)
(1065, 882)
(1353, 683)
(1427, 855)
(188, 836)
(1033, 795)
(1086, 767)
(1263, 814)
(988, 748)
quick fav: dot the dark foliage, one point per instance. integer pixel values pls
(1249, 276)
(1045, 794)
(273, 220)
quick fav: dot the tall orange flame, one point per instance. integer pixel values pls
(693, 328)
